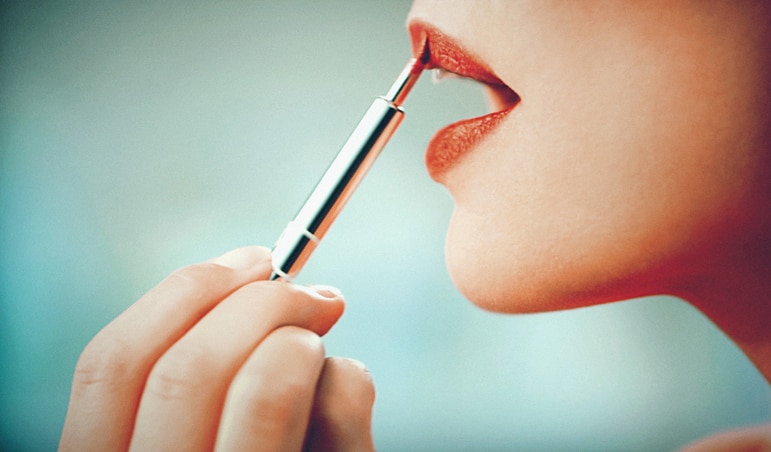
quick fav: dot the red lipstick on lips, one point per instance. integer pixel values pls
(450, 143)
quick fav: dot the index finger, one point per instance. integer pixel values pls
(113, 367)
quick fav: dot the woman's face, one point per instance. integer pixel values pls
(634, 161)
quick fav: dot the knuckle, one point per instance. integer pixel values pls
(183, 371)
(198, 280)
(305, 344)
(281, 298)
(276, 398)
(261, 299)
(273, 403)
(104, 363)
(278, 292)
(349, 390)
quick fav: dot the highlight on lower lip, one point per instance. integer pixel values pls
(450, 143)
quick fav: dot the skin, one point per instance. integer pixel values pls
(216, 357)
(637, 162)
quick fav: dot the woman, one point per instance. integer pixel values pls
(627, 154)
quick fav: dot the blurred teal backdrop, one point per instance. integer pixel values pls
(141, 136)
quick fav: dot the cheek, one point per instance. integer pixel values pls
(593, 200)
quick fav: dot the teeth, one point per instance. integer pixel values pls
(439, 74)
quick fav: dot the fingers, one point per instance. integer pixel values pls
(749, 439)
(342, 414)
(190, 381)
(112, 369)
(269, 402)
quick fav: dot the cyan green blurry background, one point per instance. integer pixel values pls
(141, 136)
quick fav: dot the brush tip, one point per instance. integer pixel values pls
(422, 54)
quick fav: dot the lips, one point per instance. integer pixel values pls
(452, 142)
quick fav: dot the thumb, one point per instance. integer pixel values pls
(341, 419)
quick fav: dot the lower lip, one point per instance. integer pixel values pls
(452, 142)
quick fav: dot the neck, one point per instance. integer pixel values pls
(737, 298)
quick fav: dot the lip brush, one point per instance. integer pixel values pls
(303, 234)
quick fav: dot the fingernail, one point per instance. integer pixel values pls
(326, 291)
(241, 258)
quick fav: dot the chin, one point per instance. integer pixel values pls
(502, 291)
(491, 276)
(515, 290)
(503, 274)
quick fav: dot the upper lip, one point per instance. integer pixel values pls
(452, 142)
(445, 53)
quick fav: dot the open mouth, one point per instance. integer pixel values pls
(453, 141)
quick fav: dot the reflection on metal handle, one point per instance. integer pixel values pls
(303, 234)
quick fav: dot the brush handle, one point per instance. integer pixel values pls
(301, 236)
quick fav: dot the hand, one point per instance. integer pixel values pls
(757, 438)
(216, 356)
